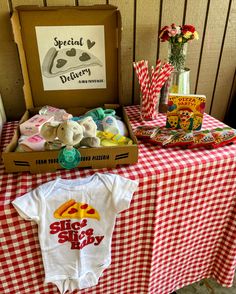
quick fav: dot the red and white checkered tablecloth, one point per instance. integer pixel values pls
(180, 228)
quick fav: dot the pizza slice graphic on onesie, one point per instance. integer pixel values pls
(76, 210)
(57, 62)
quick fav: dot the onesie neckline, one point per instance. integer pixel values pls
(77, 184)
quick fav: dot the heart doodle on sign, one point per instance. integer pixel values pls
(90, 44)
(84, 206)
(61, 63)
(91, 211)
(73, 210)
(84, 57)
(71, 52)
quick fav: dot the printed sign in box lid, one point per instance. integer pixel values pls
(69, 55)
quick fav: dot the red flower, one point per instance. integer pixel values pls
(165, 36)
(164, 29)
(188, 28)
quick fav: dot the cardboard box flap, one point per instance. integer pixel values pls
(69, 56)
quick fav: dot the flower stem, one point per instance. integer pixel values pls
(177, 55)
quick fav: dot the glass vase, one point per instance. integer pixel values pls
(179, 80)
(149, 106)
(177, 53)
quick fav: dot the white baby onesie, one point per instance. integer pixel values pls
(76, 219)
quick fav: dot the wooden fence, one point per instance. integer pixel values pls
(211, 59)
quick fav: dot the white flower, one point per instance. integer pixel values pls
(178, 30)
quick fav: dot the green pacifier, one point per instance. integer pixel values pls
(100, 113)
(69, 158)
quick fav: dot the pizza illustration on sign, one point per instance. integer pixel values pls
(76, 210)
(57, 62)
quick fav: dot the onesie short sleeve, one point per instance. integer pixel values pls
(122, 190)
(28, 205)
(76, 220)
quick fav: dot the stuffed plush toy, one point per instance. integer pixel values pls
(71, 133)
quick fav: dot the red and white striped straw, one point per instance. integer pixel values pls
(159, 82)
(141, 68)
(151, 87)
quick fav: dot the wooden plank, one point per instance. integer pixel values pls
(227, 67)
(230, 118)
(195, 15)
(127, 46)
(211, 49)
(10, 73)
(172, 12)
(147, 20)
(28, 2)
(91, 2)
(60, 2)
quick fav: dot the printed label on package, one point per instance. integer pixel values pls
(72, 57)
